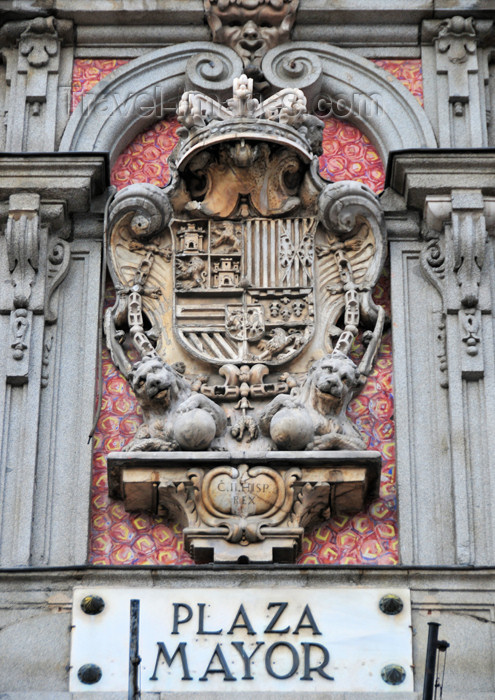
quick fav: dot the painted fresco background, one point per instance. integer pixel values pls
(118, 537)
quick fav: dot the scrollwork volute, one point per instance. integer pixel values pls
(211, 73)
(283, 66)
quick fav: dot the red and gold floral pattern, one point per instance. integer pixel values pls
(118, 537)
(145, 159)
(349, 155)
(408, 71)
(87, 72)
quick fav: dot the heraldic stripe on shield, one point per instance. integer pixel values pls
(226, 309)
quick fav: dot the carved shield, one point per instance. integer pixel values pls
(244, 289)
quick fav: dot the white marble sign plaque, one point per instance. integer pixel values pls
(245, 639)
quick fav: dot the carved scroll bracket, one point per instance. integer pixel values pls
(37, 263)
(455, 234)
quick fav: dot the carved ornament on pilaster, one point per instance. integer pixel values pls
(432, 257)
(32, 52)
(432, 260)
(22, 236)
(457, 59)
(37, 263)
(39, 41)
(57, 269)
(457, 38)
(455, 234)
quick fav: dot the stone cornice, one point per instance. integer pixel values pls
(415, 174)
(190, 12)
(74, 178)
(424, 581)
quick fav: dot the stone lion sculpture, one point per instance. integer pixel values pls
(175, 417)
(313, 416)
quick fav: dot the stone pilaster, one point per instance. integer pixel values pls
(49, 318)
(35, 86)
(455, 71)
(444, 357)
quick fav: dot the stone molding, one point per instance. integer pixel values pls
(376, 102)
(415, 174)
(108, 119)
(311, 11)
(455, 72)
(71, 178)
(456, 192)
(381, 41)
(38, 194)
(38, 70)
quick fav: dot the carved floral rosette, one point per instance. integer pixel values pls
(243, 286)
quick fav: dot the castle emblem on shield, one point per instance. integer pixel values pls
(244, 289)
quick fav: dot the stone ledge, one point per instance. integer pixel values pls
(70, 177)
(225, 500)
(415, 174)
(283, 695)
(459, 598)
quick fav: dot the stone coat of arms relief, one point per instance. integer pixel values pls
(243, 285)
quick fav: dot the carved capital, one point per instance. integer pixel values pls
(456, 38)
(33, 58)
(37, 196)
(37, 264)
(39, 41)
(457, 57)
